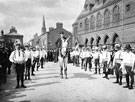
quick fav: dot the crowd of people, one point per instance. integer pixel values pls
(25, 61)
(119, 60)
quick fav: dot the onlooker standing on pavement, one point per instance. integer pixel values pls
(18, 58)
(128, 64)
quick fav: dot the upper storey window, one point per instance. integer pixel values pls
(127, 8)
(92, 22)
(86, 24)
(116, 14)
(106, 18)
(99, 20)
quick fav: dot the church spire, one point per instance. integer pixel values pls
(43, 30)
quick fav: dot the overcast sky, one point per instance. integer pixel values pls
(27, 15)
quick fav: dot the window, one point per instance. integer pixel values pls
(106, 18)
(86, 24)
(116, 14)
(92, 22)
(75, 30)
(128, 8)
(99, 20)
(80, 25)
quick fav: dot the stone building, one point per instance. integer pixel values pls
(106, 22)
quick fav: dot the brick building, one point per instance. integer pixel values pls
(2, 38)
(12, 35)
(47, 39)
(54, 34)
(106, 22)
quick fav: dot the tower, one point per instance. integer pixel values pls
(43, 30)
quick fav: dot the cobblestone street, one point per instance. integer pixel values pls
(81, 86)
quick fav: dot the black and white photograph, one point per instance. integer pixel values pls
(67, 50)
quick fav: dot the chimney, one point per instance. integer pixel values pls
(59, 25)
(51, 28)
(36, 35)
(13, 29)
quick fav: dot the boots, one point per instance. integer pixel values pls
(99, 70)
(65, 71)
(95, 71)
(17, 86)
(120, 83)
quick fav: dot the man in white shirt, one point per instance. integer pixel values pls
(96, 57)
(28, 62)
(18, 58)
(105, 60)
(42, 57)
(117, 63)
(35, 60)
(128, 64)
(88, 59)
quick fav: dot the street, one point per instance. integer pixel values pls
(81, 86)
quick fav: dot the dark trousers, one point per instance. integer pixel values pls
(97, 65)
(130, 75)
(82, 63)
(42, 62)
(88, 62)
(4, 72)
(118, 73)
(35, 61)
(28, 67)
(19, 73)
(77, 60)
(105, 68)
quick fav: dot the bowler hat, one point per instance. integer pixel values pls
(128, 47)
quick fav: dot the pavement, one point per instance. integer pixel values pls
(81, 86)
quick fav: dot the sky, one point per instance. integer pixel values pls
(27, 15)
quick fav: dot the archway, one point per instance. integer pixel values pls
(115, 40)
(86, 42)
(106, 39)
(98, 40)
(91, 42)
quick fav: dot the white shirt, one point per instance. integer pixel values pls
(28, 54)
(128, 59)
(117, 57)
(106, 56)
(96, 55)
(17, 56)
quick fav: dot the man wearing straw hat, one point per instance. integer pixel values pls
(128, 64)
(17, 57)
